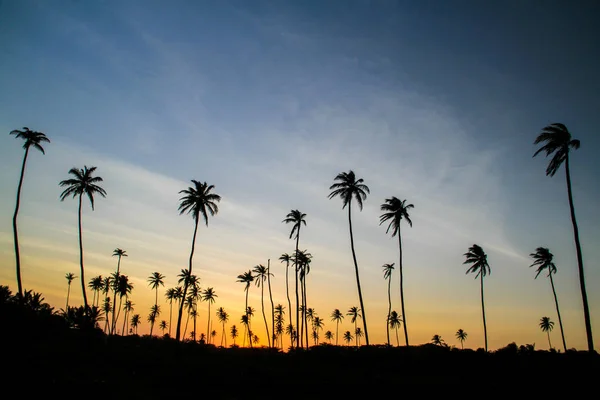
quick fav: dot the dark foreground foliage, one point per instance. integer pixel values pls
(44, 352)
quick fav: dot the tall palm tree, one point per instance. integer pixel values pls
(223, 319)
(198, 201)
(395, 322)
(546, 326)
(209, 295)
(395, 210)
(479, 265)
(123, 288)
(246, 278)
(32, 139)
(118, 253)
(260, 275)
(462, 336)
(354, 314)
(296, 218)
(302, 262)
(387, 274)
(543, 259)
(70, 276)
(337, 317)
(171, 295)
(82, 183)
(285, 257)
(155, 280)
(269, 274)
(96, 284)
(557, 140)
(348, 188)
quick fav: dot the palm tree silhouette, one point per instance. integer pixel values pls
(348, 337)
(462, 336)
(96, 284)
(296, 218)
(118, 253)
(543, 259)
(387, 274)
(358, 333)
(260, 276)
(197, 200)
(123, 287)
(246, 278)
(209, 296)
(128, 307)
(70, 276)
(155, 280)
(317, 324)
(135, 322)
(546, 326)
(479, 265)
(395, 322)
(32, 139)
(329, 336)
(395, 210)
(557, 140)
(163, 326)
(337, 317)
(354, 314)
(349, 188)
(106, 308)
(285, 257)
(269, 274)
(154, 314)
(437, 340)
(302, 262)
(82, 183)
(171, 295)
(234, 333)
(223, 319)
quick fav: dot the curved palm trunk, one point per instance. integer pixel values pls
(185, 285)
(115, 293)
(262, 303)
(124, 320)
(68, 293)
(562, 333)
(118, 313)
(387, 322)
(483, 311)
(402, 289)
(297, 300)
(15, 231)
(85, 303)
(586, 310)
(362, 306)
(272, 304)
(287, 292)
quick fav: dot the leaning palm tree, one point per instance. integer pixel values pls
(285, 257)
(337, 317)
(83, 183)
(153, 316)
(387, 274)
(198, 201)
(543, 259)
(354, 314)
(395, 210)
(479, 265)
(118, 253)
(349, 188)
(246, 278)
(462, 336)
(546, 326)
(209, 296)
(557, 140)
(32, 139)
(260, 275)
(70, 276)
(296, 218)
(394, 321)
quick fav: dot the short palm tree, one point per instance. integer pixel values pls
(462, 336)
(296, 218)
(163, 326)
(198, 201)
(285, 257)
(543, 259)
(477, 258)
(246, 278)
(437, 340)
(260, 276)
(557, 141)
(70, 276)
(348, 188)
(329, 336)
(171, 295)
(358, 333)
(96, 284)
(128, 307)
(337, 317)
(234, 333)
(546, 326)
(348, 337)
(396, 210)
(209, 295)
(117, 253)
(394, 321)
(223, 319)
(387, 274)
(354, 314)
(32, 139)
(82, 183)
(135, 322)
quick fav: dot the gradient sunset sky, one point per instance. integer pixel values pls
(435, 102)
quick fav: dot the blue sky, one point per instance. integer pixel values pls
(434, 102)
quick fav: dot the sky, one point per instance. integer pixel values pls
(434, 102)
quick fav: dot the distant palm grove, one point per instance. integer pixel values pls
(108, 301)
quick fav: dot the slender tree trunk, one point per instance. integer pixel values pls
(195, 308)
(118, 313)
(115, 293)
(337, 331)
(362, 306)
(304, 299)
(81, 260)
(586, 310)
(397, 341)
(287, 292)
(272, 304)
(262, 304)
(483, 312)
(549, 342)
(68, 293)
(387, 322)
(208, 327)
(170, 315)
(297, 300)
(248, 318)
(185, 284)
(462, 345)
(15, 231)
(402, 288)
(562, 333)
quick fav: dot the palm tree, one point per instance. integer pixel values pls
(123, 288)
(70, 276)
(234, 333)
(354, 313)
(96, 284)
(106, 308)
(260, 275)
(197, 200)
(329, 336)
(317, 324)
(349, 188)
(171, 295)
(302, 262)
(246, 278)
(543, 259)
(546, 326)
(285, 257)
(387, 274)
(337, 317)
(358, 333)
(462, 336)
(557, 140)
(118, 253)
(35, 139)
(395, 323)
(135, 322)
(154, 314)
(82, 183)
(348, 337)
(479, 265)
(209, 296)
(269, 274)
(128, 307)
(163, 326)
(223, 319)
(155, 280)
(296, 218)
(437, 340)
(395, 210)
